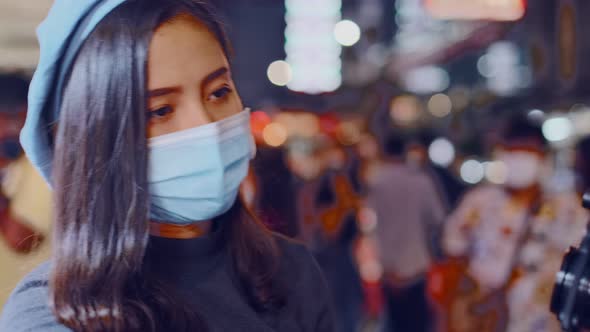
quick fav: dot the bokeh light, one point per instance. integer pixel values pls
(275, 134)
(557, 129)
(536, 115)
(426, 79)
(347, 33)
(494, 10)
(484, 67)
(460, 98)
(310, 46)
(496, 172)
(440, 105)
(279, 73)
(441, 152)
(405, 110)
(472, 171)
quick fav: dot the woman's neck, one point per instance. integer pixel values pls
(172, 231)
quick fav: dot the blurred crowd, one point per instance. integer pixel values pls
(408, 245)
(405, 244)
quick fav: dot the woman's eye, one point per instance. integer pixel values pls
(220, 93)
(159, 112)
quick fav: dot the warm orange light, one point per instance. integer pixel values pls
(405, 110)
(258, 121)
(494, 10)
(348, 133)
(275, 134)
(303, 124)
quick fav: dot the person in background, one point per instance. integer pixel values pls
(305, 163)
(449, 187)
(275, 193)
(582, 165)
(408, 210)
(337, 203)
(512, 238)
(25, 217)
(561, 222)
(369, 152)
(18, 232)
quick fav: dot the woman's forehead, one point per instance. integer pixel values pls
(183, 47)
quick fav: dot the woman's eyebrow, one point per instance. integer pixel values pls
(208, 79)
(214, 75)
(163, 91)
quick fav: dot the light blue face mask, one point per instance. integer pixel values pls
(195, 174)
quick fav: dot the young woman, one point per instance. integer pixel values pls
(135, 121)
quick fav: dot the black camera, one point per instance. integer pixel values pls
(570, 300)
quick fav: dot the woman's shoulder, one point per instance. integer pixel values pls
(32, 285)
(27, 308)
(298, 269)
(307, 291)
(295, 255)
(36, 280)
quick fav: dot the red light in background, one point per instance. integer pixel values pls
(258, 121)
(493, 10)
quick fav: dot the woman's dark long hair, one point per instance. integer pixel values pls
(100, 279)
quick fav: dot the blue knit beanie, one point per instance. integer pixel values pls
(60, 35)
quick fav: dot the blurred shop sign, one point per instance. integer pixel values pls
(494, 10)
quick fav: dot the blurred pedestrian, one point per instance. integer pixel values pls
(275, 191)
(582, 165)
(20, 225)
(408, 211)
(448, 185)
(506, 233)
(337, 203)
